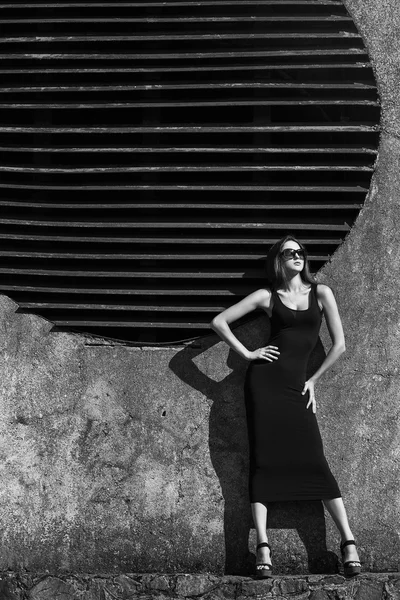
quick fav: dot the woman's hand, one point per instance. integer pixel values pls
(309, 385)
(268, 353)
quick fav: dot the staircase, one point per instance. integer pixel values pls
(151, 151)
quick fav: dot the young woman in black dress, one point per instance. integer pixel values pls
(287, 460)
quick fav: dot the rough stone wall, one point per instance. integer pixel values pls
(134, 586)
(120, 459)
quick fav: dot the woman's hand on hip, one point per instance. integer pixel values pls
(268, 353)
(309, 385)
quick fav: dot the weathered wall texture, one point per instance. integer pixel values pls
(151, 586)
(120, 459)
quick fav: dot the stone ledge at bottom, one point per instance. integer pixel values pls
(152, 586)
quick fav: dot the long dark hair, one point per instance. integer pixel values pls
(276, 276)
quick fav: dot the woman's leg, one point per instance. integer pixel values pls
(259, 511)
(336, 509)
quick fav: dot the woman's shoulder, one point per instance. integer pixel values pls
(323, 291)
(322, 288)
(263, 292)
(262, 295)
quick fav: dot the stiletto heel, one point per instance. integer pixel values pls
(264, 570)
(351, 567)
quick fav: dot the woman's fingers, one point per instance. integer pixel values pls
(311, 396)
(269, 353)
(273, 350)
(313, 405)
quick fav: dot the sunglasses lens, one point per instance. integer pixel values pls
(291, 253)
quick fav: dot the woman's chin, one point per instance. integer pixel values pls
(295, 269)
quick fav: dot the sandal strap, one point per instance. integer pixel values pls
(263, 545)
(348, 543)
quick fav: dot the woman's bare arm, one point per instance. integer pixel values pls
(220, 324)
(334, 324)
(335, 329)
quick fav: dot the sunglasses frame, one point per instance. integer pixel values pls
(291, 252)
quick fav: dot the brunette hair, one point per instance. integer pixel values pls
(276, 277)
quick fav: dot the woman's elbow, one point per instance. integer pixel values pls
(216, 323)
(341, 347)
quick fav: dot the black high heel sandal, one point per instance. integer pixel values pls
(351, 567)
(264, 570)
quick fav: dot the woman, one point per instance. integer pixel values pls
(287, 461)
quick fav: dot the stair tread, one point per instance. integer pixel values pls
(193, 103)
(197, 19)
(191, 68)
(159, 291)
(193, 86)
(244, 188)
(184, 169)
(178, 3)
(158, 240)
(306, 127)
(175, 225)
(179, 37)
(177, 205)
(126, 274)
(184, 55)
(198, 149)
(115, 256)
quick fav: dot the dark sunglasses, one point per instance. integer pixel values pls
(291, 253)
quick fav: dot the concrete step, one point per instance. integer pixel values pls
(149, 586)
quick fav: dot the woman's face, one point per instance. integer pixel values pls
(292, 260)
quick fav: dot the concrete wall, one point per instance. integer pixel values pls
(121, 459)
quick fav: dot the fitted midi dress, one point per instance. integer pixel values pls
(287, 459)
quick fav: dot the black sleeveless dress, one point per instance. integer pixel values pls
(287, 459)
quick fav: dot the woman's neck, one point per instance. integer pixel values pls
(295, 284)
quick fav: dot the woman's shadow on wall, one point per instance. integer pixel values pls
(229, 455)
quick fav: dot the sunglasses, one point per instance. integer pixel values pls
(289, 253)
